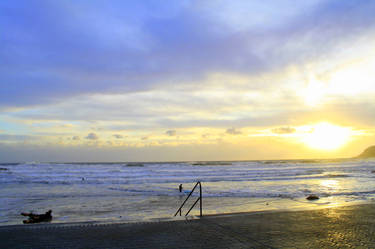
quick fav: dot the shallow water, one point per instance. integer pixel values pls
(120, 192)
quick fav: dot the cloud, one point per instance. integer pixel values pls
(76, 138)
(283, 130)
(233, 131)
(171, 132)
(243, 64)
(137, 52)
(92, 136)
(118, 136)
(10, 137)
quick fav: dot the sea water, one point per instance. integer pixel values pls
(133, 192)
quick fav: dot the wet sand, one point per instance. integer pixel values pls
(340, 227)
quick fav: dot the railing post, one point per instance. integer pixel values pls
(200, 197)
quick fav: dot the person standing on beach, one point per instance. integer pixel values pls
(180, 188)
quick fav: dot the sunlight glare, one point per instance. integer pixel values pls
(314, 92)
(355, 78)
(331, 184)
(326, 136)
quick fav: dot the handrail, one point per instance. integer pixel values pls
(199, 199)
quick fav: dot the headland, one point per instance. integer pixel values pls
(368, 153)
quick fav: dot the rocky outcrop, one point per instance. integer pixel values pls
(368, 153)
(36, 218)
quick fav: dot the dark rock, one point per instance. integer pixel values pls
(312, 197)
(3, 169)
(36, 218)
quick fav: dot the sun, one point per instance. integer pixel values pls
(326, 136)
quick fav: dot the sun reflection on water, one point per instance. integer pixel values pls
(332, 185)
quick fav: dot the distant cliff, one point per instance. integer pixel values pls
(368, 153)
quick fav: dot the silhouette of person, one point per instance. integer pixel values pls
(180, 188)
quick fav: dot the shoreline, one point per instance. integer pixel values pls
(310, 208)
(313, 205)
(186, 218)
(335, 227)
(252, 208)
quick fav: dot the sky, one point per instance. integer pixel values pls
(95, 80)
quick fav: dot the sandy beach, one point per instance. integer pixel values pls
(337, 227)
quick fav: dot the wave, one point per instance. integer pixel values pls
(235, 194)
(115, 177)
(309, 161)
(291, 161)
(336, 175)
(10, 164)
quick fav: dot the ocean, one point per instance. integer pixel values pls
(138, 192)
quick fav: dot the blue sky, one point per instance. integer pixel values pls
(152, 77)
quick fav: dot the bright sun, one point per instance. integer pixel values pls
(326, 136)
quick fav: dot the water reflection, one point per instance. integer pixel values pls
(331, 185)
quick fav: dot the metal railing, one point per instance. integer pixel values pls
(199, 199)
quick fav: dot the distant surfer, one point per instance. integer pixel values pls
(36, 218)
(180, 188)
